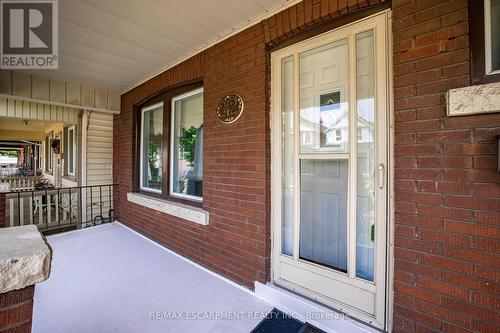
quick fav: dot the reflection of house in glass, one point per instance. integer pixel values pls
(365, 208)
(325, 127)
(332, 129)
(336, 119)
(365, 137)
(336, 134)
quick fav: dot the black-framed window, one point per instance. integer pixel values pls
(169, 145)
(484, 40)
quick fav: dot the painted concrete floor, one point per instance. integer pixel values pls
(110, 279)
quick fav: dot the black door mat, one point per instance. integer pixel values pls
(280, 322)
(308, 328)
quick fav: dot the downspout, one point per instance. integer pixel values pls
(83, 165)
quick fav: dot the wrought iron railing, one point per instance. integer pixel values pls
(62, 209)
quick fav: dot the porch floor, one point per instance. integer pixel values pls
(110, 279)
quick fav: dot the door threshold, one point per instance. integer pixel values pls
(312, 311)
(279, 322)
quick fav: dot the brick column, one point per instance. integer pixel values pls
(447, 188)
(16, 310)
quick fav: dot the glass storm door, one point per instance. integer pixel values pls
(329, 127)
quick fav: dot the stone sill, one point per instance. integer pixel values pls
(186, 212)
(25, 258)
(483, 98)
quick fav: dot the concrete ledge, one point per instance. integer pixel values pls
(192, 214)
(25, 258)
(483, 98)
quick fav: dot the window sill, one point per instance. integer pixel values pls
(70, 178)
(186, 212)
(484, 98)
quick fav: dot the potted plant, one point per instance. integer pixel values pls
(41, 185)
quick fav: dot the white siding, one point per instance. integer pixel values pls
(99, 150)
(44, 89)
(37, 111)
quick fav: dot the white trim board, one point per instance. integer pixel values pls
(66, 105)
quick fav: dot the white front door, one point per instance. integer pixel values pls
(329, 156)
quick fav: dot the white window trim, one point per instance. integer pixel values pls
(73, 129)
(141, 174)
(487, 39)
(171, 153)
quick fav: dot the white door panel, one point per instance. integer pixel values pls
(323, 228)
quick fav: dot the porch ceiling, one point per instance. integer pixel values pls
(119, 44)
(13, 129)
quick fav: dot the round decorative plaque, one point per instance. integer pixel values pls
(230, 108)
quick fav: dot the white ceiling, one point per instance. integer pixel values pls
(117, 44)
(11, 124)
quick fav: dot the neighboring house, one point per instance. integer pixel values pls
(80, 117)
(361, 174)
(40, 112)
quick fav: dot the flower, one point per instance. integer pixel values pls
(43, 184)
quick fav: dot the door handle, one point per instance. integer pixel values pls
(381, 175)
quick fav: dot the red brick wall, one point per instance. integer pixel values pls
(16, 309)
(447, 236)
(236, 157)
(310, 14)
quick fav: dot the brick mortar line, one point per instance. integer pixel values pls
(16, 325)
(13, 306)
(425, 9)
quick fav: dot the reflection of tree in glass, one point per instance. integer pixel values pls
(187, 144)
(154, 154)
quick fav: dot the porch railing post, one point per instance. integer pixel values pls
(3, 207)
(80, 210)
